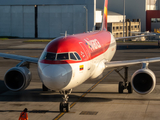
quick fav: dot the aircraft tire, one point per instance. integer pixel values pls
(120, 87)
(61, 106)
(67, 107)
(129, 87)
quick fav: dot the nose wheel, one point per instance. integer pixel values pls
(65, 106)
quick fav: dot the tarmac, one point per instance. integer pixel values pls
(93, 100)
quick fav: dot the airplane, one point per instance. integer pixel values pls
(68, 61)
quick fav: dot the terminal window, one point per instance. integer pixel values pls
(158, 19)
(154, 20)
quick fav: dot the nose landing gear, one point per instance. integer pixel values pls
(65, 105)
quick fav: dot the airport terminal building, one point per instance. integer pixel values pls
(148, 11)
(45, 18)
(50, 18)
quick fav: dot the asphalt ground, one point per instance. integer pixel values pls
(94, 99)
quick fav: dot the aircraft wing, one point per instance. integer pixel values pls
(129, 37)
(19, 57)
(118, 64)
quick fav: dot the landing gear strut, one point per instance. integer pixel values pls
(125, 84)
(65, 103)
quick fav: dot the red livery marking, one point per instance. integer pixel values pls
(87, 45)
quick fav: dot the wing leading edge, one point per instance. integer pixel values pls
(118, 64)
(130, 37)
(19, 57)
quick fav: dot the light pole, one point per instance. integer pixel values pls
(123, 17)
(86, 18)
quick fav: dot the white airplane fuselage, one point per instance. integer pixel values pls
(68, 75)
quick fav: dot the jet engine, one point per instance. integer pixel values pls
(143, 81)
(17, 78)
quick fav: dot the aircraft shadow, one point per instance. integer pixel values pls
(32, 111)
(101, 93)
(40, 96)
(37, 95)
(3, 88)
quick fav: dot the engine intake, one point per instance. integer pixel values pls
(143, 81)
(17, 78)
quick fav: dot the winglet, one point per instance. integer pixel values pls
(105, 13)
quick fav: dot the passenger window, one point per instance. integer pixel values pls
(72, 57)
(77, 56)
(63, 56)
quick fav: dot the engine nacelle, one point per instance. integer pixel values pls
(17, 78)
(143, 81)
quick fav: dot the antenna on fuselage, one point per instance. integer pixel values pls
(65, 33)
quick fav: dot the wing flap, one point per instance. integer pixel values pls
(19, 57)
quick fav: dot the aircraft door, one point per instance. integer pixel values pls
(86, 54)
(85, 50)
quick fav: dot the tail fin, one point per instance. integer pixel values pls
(105, 13)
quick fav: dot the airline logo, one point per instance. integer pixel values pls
(93, 44)
(105, 11)
(105, 15)
(87, 43)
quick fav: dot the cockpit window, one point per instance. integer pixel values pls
(48, 56)
(72, 56)
(62, 56)
(77, 56)
(43, 56)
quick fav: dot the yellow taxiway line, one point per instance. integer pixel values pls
(83, 95)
